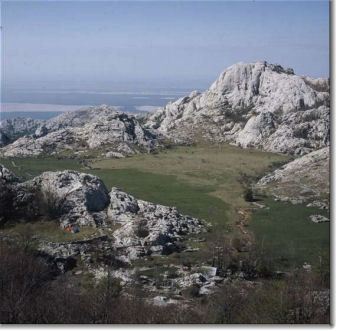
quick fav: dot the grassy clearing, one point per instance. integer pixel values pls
(220, 170)
(285, 234)
(28, 168)
(217, 166)
(206, 182)
(203, 181)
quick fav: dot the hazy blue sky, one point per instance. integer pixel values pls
(160, 43)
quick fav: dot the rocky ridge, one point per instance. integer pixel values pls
(258, 105)
(103, 128)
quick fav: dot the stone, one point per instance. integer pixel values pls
(114, 155)
(16, 201)
(77, 199)
(318, 219)
(74, 197)
(41, 131)
(307, 267)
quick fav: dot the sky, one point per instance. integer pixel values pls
(75, 44)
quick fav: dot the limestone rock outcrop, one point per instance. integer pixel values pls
(96, 128)
(147, 228)
(306, 179)
(71, 198)
(258, 105)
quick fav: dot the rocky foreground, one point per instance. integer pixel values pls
(102, 130)
(257, 105)
(127, 230)
(138, 228)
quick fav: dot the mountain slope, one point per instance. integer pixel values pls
(257, 105)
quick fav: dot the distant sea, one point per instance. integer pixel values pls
(37, 115)
(47, 103)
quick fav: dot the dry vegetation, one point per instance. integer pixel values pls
(30, 293)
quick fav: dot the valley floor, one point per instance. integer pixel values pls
(267, 247)
(207, 182)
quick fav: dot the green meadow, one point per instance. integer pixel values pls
(207, 182)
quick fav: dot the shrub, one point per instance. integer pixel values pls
(142, 230)
(248, 195)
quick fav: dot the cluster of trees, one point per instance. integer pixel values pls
(31, 292)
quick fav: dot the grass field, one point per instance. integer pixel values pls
(285, 234)
(219, 167)
(206, 182)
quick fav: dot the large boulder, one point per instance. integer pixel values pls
(146, 228)
(72, 197)
(6, 177)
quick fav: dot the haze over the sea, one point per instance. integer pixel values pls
(141, 55)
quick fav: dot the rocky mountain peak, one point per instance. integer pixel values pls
(258, 84)
(257, 105)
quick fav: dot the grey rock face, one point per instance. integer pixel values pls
(12, 129)
(16, 201)
(67, 196)
(6, 176)
(74, 197)
(41, 131)
(306, 179)
(257, 105)
(147, 228)
(88, 129)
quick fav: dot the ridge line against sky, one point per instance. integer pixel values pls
(162, 44)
